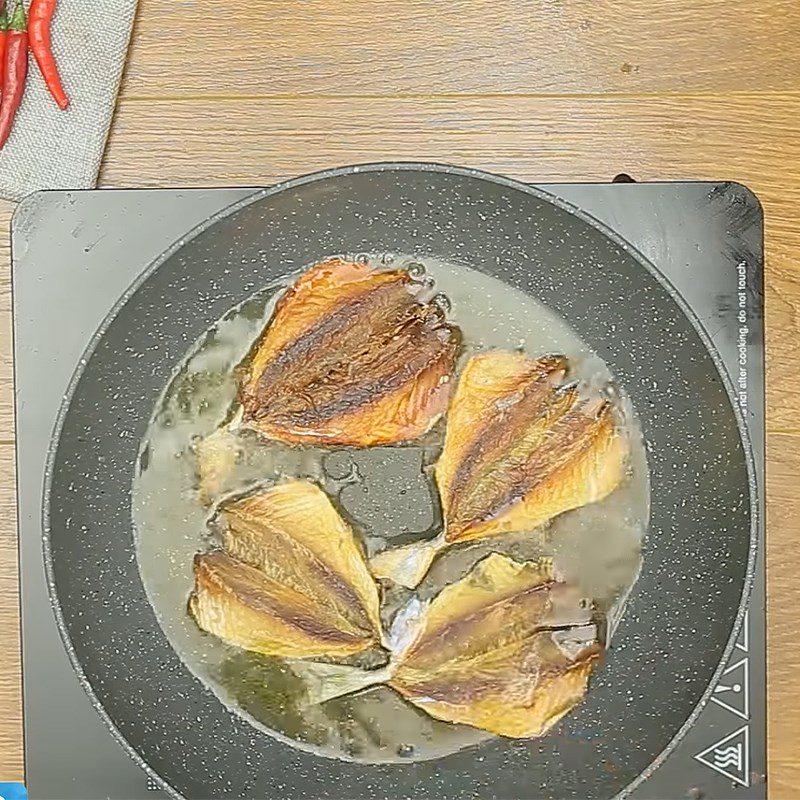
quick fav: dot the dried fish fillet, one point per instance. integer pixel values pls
(292, 580)
(242, 606)
(484, 652)
(293, 534)
(507, 649)
(520, 449)
(351, 356)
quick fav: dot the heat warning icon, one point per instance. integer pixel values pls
(730, 756)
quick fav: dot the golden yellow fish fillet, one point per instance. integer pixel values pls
(351, 356)
(292, 580)
(487, 652)
(520, 449)
(293, 534)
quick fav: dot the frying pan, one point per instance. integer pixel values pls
(683, 611)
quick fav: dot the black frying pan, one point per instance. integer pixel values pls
(679, 619)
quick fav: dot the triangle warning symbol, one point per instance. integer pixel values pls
(743, 639)
(730, 756)
(733, 689)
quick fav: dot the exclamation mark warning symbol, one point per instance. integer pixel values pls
(733, 690)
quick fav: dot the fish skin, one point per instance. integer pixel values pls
(520, 449)
(487, 380)
(242, 606)
(278, 532)
(291, 580)
(484, 653)
(351, 356)
(587, 461)
(525, 708)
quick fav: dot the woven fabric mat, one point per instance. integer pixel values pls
(53, 149)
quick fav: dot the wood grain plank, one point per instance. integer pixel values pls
(10, 687)
(783, 624)
(424, 47)
(11, 759)
(754, 138)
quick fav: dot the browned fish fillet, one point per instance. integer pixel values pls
(520, 449)
(507, 649)
(351, 356)
(293, 534)
(292, 581)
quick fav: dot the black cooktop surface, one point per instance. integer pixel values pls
(81, 250)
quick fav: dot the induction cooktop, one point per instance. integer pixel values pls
(80, 251)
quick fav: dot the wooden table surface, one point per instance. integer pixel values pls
(548, 90)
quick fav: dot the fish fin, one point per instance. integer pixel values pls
(406, 626)
(406, 565)
(328, 681)
(216, 459)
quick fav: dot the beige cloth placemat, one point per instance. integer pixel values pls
(53, 149)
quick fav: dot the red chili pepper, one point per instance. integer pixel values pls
(40, 16)
(3, 42)
(16, 71)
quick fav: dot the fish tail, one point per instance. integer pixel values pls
(405, 565)
(328, 681)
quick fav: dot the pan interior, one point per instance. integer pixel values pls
(388, 496)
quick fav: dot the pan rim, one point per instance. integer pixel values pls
(404, 166)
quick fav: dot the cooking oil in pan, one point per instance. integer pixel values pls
(388, 495)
